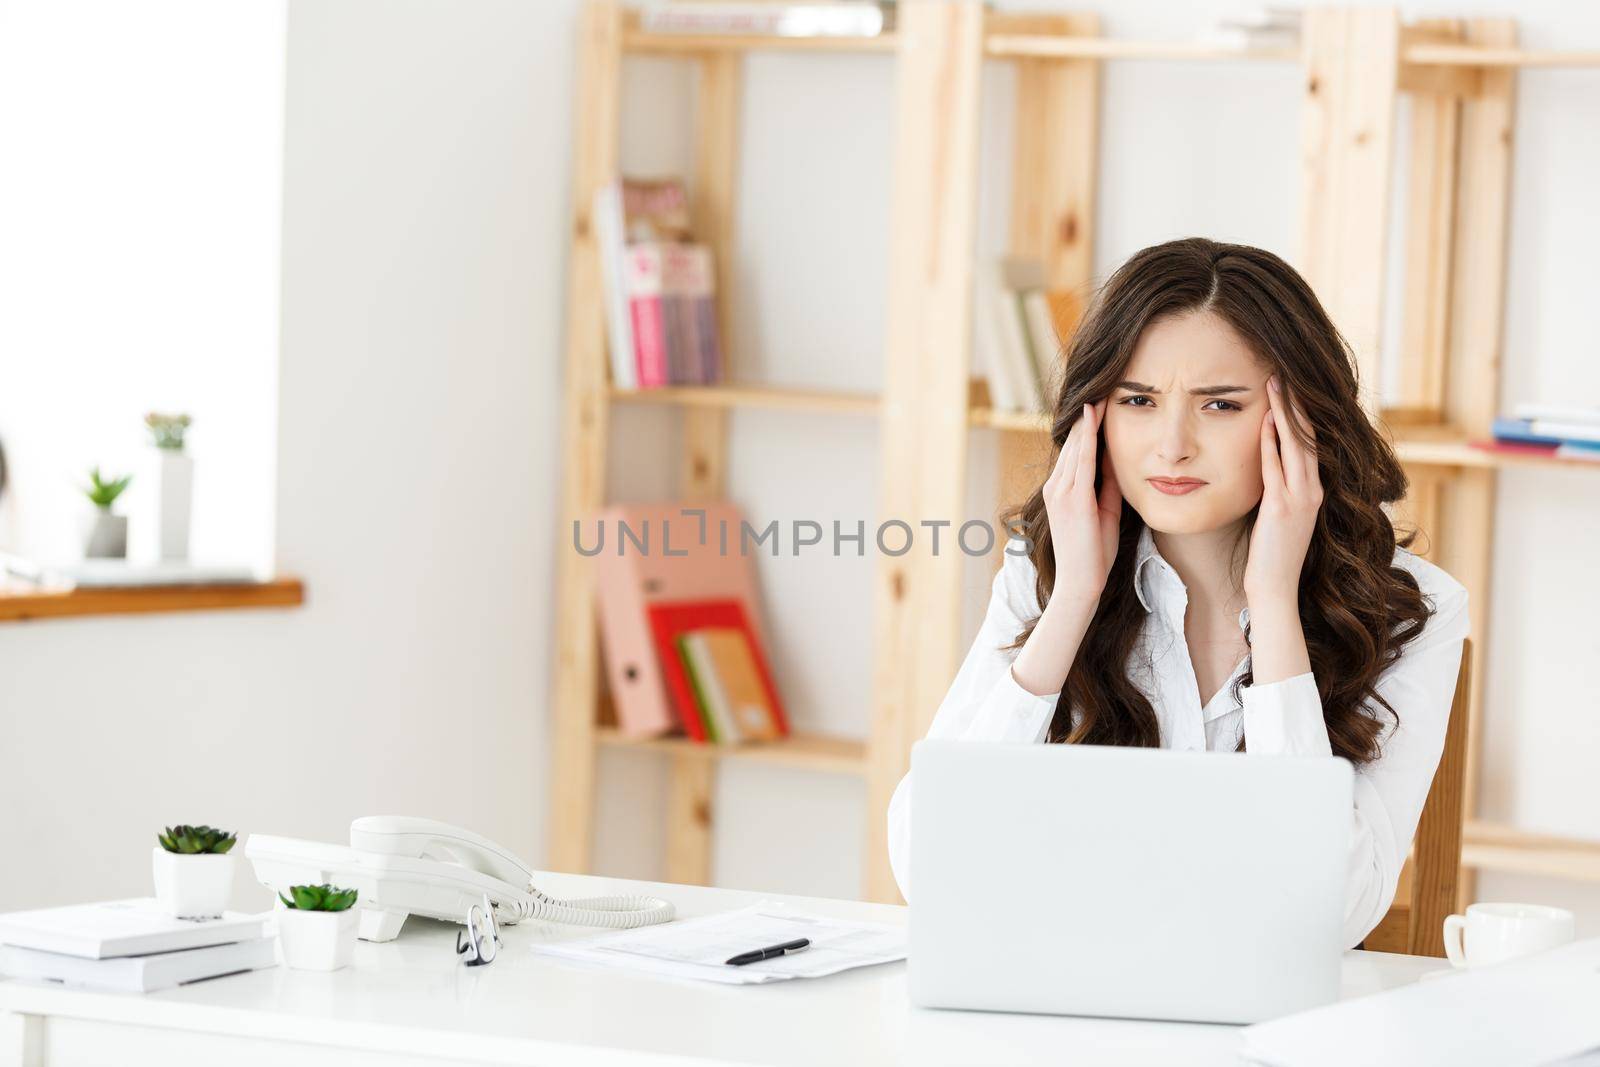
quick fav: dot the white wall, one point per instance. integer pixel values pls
(423, 218)
(426, 203)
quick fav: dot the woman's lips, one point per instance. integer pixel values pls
(1176, 486)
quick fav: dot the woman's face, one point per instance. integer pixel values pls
(1189, 408)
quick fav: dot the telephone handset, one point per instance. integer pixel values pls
(404, 866)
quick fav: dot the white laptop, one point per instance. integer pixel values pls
(1135, 882)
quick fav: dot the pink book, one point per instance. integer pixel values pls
(629, 583)
(644, 284)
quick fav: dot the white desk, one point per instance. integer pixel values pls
(411, 1002)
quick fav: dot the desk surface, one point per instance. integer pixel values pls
(411, 997)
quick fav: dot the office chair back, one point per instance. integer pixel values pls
(1427, 891)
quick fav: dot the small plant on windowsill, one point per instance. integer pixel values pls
(106, 535)
(317, 927)
(194, 870)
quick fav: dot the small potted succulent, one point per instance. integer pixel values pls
(317, 927)
(106, 535)
(193, 870)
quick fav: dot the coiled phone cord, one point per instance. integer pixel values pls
(616, 912)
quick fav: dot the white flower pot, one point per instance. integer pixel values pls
(193, 887)
(317, 940)
(168, 477)
(105, 536)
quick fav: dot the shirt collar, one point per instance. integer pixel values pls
(1144, 577)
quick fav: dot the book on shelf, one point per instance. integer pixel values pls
(659, 287)
(114, 928)
(671, 620)
(1549, 433)
(1019, 345)
(838, 18)
(146, 973)
(728, 685)
(1252, 26)
(1589, 416)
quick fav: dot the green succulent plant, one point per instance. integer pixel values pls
(196, 840)
(319, 898)
(167, 430)
(103, 493)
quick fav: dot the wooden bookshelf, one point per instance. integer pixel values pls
(1460, 78)
(22, 603)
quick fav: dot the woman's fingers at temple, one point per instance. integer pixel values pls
(1272, 482)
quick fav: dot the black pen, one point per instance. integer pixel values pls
(767, 953)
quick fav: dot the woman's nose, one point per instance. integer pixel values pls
(1176, 442)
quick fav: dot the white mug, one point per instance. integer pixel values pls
(1491, 933)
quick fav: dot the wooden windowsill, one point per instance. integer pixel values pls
(21, 603)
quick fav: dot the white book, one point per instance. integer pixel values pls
(1558, 413)
(138, 974)
(1004, 394)
(1575, 431)
(1046, 346)
(1261, 16)
(610, 238)
(121, 928)
(1013, 341)
(783, 20)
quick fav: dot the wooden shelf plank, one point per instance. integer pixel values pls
(812, 752)
(1494, 846)
(21, 604)
(744, 396)
(1000, 44)
(1466, 55)
(1456, 452)
(1047, 46)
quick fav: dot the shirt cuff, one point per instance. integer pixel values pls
(1285, 718)
(1011, 714)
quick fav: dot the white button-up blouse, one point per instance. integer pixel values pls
(985, 703)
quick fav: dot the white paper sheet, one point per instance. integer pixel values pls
(700, 947)
(1520, 1013)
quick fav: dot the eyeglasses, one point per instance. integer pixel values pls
(480, 941)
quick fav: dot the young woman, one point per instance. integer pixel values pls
(1208, 565)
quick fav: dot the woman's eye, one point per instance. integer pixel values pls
(1229, 405)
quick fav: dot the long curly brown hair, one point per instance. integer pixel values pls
(1357, 608)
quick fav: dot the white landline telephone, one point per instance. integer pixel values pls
(403, 866)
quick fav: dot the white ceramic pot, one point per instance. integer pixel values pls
(162, 531)
(105, 536)
(317, 940)
(195, 886)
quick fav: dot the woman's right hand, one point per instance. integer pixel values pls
(1083, 526)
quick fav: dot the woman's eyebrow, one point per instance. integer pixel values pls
(1204, 390)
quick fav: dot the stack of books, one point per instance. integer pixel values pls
(129, 946)
(1561, 431)
(1019, 349)
(721, 688)
(680, 623)
(659, 287)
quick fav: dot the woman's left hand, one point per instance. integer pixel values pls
(1290, 498)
